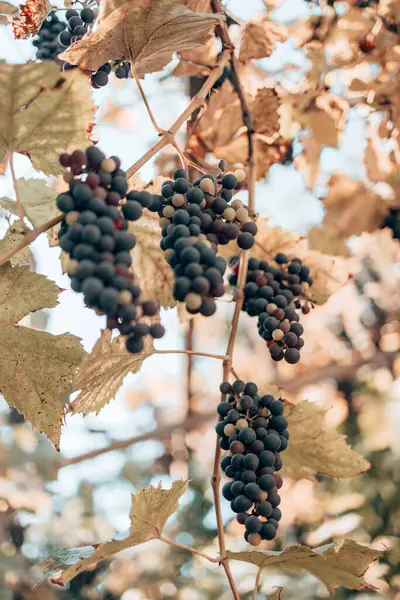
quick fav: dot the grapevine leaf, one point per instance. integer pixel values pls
(336, 566)
(102, 372)
(14, 235)
(144, 32)
(151, 508)
(37, 199)
(259, 39)
(35, 367)
(154, 273)
(7, 12)
(326, 240)
(43, 112)
(314, 448)
(30, 18)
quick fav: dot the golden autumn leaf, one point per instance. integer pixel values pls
(35, 367)
(335, 565)
(314, 448)
(259, 38)
(37, 199)
(144, 32)
(30, 18)
(14, 235)
(151, 508)
(43, 112)
(351, 208)
(101, 373)
(154, 273)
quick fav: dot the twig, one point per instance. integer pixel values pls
(20, 208)
(246, 113)
(161, 432)
(189, 549)
(147, 105)
(234, 373)
(257, 583)
(29, 237)
(168, 136)
(192, 353)
(189, 365)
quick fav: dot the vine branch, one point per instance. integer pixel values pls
(257, 583)
(193, 353)
(147, 105)
(189, 549)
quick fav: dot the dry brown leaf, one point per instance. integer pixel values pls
(7, 12)
(144, 32)
(154, 273)
(323, 127)
(266, 154)
(43, 112)
(101, 374)
(326, 240)
(30, 18)
(199, 61)
(314, 448)
(35, 367)
(151, 508)
(351, 208)
(14, 235)
(377, 162)
(264, 109)
(336, 566)
(308, 160)
(259, 39)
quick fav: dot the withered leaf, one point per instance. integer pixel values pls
(145, 32)
(30, 18)
(37, 199)
(259, 39)
(151, 508)
(7, 12)
(326, 451)
(101, 373)
(154, 273)
(14, 235)
(334, 565)
(35, 367)
(43, 112)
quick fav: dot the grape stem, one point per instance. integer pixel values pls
(193, 353)
(20, 208)
(189, 549)
(168, 137)
(257, 583)
(29, 237)
(147, 105)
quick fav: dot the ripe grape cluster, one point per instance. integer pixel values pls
(47, 39)
(393, 222)
(254, 430)
(273, 292)
(94, 235)
(195, 218)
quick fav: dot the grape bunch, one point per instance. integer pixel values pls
(195, 219)
(254, 430)
(47, 39)
(274, 293)
(393, 222)
(94, 234)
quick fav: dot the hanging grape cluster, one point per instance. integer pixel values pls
(94, 234)
(273, 293)
(56, 35)
(195, 219)
(254, 431)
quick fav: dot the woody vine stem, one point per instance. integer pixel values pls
(168, 137)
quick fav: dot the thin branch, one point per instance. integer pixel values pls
(189, 365)
(257, 583)
(192, 353)
(168, 136)
(147, 105)
(20, 209)
(189, 549)
(235, 373)
(246, 113)
(161, 432)
(29, 237)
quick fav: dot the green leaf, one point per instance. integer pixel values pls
(35, 367)
(43, 112)
(315, 448)
(101, 374)
(37, 199)
(151, 508)
(14, 235)
(335, 566)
